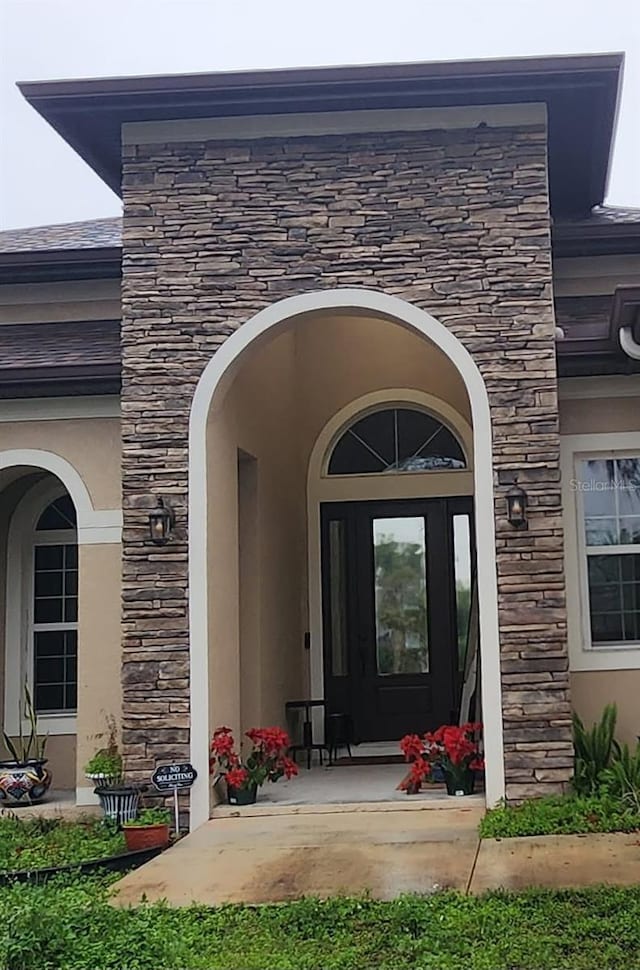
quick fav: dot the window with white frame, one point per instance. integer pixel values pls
(54, 615)
(609, 504)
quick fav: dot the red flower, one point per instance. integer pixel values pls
(222, 743)
(289, 767)
(271, 741)
(450, 745)
(420, 769)
(237, 777)
(412, 747)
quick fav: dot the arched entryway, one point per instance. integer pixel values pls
(321, 348)
(58, 609)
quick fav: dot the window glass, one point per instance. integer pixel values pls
(338, 597)
(61, 514)
(462, 571)
(396, 440)
(610, 492)
(399, 547)
(55, 611)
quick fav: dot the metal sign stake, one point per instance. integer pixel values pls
(176, 810)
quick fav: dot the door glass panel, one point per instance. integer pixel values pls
(402, 644)
(462, 574)
(338, 596)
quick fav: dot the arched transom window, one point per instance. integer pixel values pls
(396, 439)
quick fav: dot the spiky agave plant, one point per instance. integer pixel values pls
(26, 747)
(622, 778)
(594, 749)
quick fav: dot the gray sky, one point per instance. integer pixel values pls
(42, 181)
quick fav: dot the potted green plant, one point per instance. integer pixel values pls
(454, 749)
(150, 830)
(24, 777)
(267, 761)
(104, 769)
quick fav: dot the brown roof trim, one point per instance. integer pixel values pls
(38, 266)
(581, 94)
(598, 239)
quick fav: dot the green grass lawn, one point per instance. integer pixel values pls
(69, 925)
(560, 815)
(41, 842)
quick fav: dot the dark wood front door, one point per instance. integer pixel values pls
(391, 612)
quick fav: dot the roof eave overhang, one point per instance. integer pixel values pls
(604, 239)
(40, 266)
(581, 93)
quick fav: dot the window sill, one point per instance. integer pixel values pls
(603, 658)
(52, 724)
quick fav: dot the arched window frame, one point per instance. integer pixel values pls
(390, 405)
(20, 627)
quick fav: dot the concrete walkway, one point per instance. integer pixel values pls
(383, 850)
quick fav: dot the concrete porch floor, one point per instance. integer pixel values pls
(58, 804)
(340, 785)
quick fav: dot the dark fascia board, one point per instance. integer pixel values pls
(596, 365)
(24, 382)
(40, 266)
(69, 387)
(598, 239)
(581, 94)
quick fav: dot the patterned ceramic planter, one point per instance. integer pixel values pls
(100, 780)
(23, 783)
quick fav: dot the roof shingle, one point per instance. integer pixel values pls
(91, 234)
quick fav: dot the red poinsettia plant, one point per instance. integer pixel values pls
(454, 749)
(267, 760)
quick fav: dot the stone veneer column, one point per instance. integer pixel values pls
(455, 222)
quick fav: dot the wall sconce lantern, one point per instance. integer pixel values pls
(161, 522)
(517, 507)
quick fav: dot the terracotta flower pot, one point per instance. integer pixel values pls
(23, 783)
(146, 837)
(460, 782)
(242, 796)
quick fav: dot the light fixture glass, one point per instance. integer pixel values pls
(161, 520)
(517, 507)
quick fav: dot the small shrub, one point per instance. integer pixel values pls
(594, 749)
(621, 779)
(150, 816)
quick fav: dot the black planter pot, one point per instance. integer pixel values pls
(23, 783)
(460, 782)
(242, 796)
(120, 802)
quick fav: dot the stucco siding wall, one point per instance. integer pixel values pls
(592, 689)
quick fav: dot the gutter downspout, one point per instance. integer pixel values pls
(630, 346)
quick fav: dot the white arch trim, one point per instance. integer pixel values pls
(94, 525)
(215, 377)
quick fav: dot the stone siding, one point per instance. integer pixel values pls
(455, 222)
